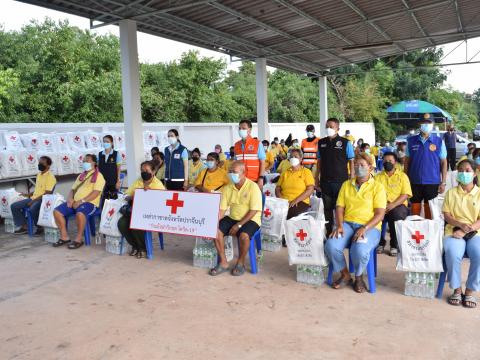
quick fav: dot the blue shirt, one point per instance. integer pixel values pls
(443, 149)
(349, 150)
(119, 157)
(260, 153)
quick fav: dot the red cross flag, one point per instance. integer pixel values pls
(176, 212)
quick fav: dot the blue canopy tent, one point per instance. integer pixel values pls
(409, 111)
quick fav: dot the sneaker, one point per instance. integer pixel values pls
(20, 231)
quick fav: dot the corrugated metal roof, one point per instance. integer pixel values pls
(305, 36)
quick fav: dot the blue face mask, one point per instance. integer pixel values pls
(465, 178)
(477, 160)
(243, 133)
(87, 166)
(107, 145)
(234, 178)
(210, 164)
(426, 128)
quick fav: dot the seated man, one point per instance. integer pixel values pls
(44, 184)
(244, 200)
(398, 188)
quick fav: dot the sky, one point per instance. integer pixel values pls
(153, 49)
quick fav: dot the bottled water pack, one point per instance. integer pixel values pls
(113, 245)
(421, 285)
(9, 226)
(271, 243)
(51, 235)
(310, 274)
(205, 256)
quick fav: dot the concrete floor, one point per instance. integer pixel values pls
(88, 304)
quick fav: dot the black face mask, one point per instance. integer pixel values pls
(388, 166)
(195, 158)
(232, 154)
(42, 167)
(146, 176)
(156, 162)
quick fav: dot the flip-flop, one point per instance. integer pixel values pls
(75, 245)
(217, 270)
(359, 286)
(341, 282)
(455, 299)
(60, 242)
(238, 270)
(393, 252)
(469, 299)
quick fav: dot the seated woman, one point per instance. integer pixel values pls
(212, 178)
(147, 181)
(296, 185)
(360, 210)
(82, 201)
(159, 163)
(195, 166)
(461, 210)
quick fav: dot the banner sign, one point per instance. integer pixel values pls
(176, 212)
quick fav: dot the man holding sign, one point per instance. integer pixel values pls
(244, 200)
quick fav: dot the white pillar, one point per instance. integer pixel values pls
(262, 98)
(132, 115)
(323, 103)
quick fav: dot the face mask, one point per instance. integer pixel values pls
(331, 132)
(210, 164)
(156, 163)
(232, 154)
(87, 166)
(172, 140)
(477, 160)
(388, 166)
(294, 161)
(401, 154)
(426, 128)
(145, 176)
(465, 178)
(470, 157)
(412, 132)
(310, 134)
(195, 158)
(234, 178)
(243, 133)
(295, 144)
(361, 172)
(367, 151)
(42, 167)
(377, 144)
(107, 145)
(387, 144)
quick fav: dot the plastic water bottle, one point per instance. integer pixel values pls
(423, 285)
(431, 285)
(416, 284)
(409, 284)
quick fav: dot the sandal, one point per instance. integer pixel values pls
(359, 286)
(455, 299)
(393, 252)
(238, 270)
(60, 242)
(217, 270)
(75, 245)
(469, 301)
(380, 249)
(341, 282)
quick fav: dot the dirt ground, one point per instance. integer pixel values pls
(88, 304)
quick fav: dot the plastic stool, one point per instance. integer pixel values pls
(149, 243)
(89, 227)
(443, 276)
(28, 215)
(371, 270)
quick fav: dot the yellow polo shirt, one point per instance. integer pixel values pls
(374, 150)
(160, 174)
(222, 157)
(194, 170)
(156, 184)
(360, 204)
(284, 165)
(464, 207)
(395, 185)
(45, 182)
(212, 180)
(87, 187)
(270, 159)
(240, 202)
(294, 183)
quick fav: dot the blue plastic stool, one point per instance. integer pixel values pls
(443, 276)
(89, 226)
(149, 243)
(28, 215)
(371, 270)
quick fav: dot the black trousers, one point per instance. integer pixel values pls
(330, 192)
(297, 210)
(451, 158)
(136, 238)
(398, 213)
(174, 185)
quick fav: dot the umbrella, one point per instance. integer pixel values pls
(410, 110)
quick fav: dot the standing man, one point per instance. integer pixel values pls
(426, 166)
(250, 151)
(334, 155)
(309, 148)
(450, 139)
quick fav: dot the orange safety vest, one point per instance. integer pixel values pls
(309, 151)
(249, 156)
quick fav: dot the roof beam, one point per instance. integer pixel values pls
(415, 20)
(120, 8)
(459, 17)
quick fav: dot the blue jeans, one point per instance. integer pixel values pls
(454, 252)
(359, 252)
(19, 215)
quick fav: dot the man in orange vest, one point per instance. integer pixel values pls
(309, 148)
(251, 152)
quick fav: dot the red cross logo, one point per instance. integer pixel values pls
(13, 138)
(268, 193)
(150, 136)
(62, 139)
(94, 138)
(4, 200)
(267, 212)
(30, 158)
(418, 237)
(301, 235)
(34, 141)
(47, 205)
(111, 212)
(11, 159)
(47, 142)
(124, 156)
(76, 138)
(174, 203)
(65, 158)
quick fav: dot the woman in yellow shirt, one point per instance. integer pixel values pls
(296, 185)
(158, 160)
(82, 201)
(147, 181)
(360, 210)
(461, 210)
(195, 166)
(212, 178)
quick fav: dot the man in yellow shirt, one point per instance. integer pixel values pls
(397, 186)
(44, 184)
(244, 200)
(270, 156)
(82, 201)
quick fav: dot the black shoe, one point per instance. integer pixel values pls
(133, 252)
(39, 232)
(141, 254)
(284, 243)
(21, 231)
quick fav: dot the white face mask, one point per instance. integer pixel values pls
(294, 161)
(387, 144)
(243, 133)
(331, 132)
(266, 148)
(310, 134)
(172, 140)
